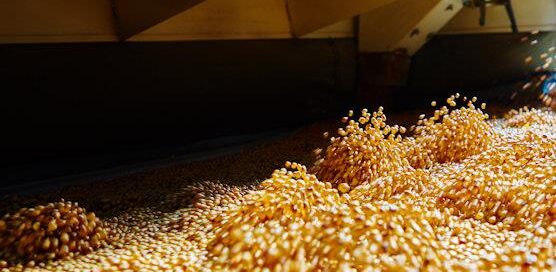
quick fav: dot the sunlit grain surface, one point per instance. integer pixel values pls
(462, 192)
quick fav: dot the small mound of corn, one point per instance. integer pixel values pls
(57, 230)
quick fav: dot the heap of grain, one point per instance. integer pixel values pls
(482, 200)
(525, 117)
(365, 149)
(461, 193)
(57, 230)
(450, 135)
(369, 148)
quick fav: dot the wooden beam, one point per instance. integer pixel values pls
(134, 16)
(307, 16)
(404, 24)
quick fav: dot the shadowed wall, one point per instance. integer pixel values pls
(71, 101)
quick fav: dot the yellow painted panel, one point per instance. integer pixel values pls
(32, 21)
(307, 16)
(135, 16)
(238, 19)
(225, 19)
(343, 29)
(530, 15)
(55, 21)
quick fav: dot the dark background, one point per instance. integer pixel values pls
(74, 108)
(491, 66)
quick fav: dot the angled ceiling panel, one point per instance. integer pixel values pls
(404, 24)
(134, 16)
(307, 16)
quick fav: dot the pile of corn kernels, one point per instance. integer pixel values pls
(460, 193)
(50, 232)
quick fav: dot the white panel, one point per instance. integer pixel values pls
(530, 15)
